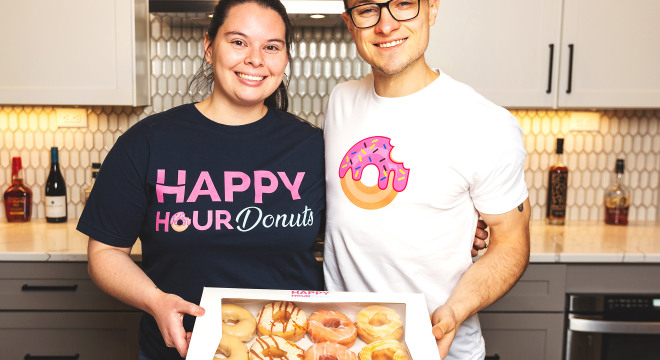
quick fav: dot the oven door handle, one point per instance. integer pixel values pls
(613, 327)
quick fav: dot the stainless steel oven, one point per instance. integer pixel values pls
(613, 327)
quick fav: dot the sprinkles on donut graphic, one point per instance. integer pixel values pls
(392, 178)
(182, 218)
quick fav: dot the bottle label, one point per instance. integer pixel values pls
(15, 206)
(55, 206)
(557, 195)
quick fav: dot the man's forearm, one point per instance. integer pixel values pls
(492, 275)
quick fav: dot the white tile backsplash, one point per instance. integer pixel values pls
(323, 57)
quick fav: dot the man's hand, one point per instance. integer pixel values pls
(444, 328)
(480, 236)
(168, 312)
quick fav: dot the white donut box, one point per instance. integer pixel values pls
(417, 336)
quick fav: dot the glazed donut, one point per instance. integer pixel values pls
(332, 326)
(383, 349)
(232, 348)
(377, 322)
(274, 347)
(238, 322)
(329, 351)
(392, 178)
(174, 222)
(282, 318)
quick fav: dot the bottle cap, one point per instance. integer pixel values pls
(619, 166)
(16, 165)
(560, 146)
(53, 154)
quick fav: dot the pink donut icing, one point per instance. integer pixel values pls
(375, 150)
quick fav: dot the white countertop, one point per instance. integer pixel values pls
(575, 242)
(38, 240)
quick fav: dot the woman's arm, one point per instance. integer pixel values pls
(114, 272)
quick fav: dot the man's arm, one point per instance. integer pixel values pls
(114, 272)
(488, 278)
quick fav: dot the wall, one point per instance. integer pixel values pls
(322, 58)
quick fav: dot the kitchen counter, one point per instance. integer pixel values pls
(575, 242)
(38, 240)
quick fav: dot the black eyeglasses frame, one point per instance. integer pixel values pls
(386, 5)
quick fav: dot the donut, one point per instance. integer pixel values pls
(238, 322)
(332, 326)
(282, 318)
(231, 348)
(392, 178)
(174, 222)
(274, 347)
(328, 351)
(377, 322)
(385, 350)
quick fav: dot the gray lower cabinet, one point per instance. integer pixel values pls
(523, 336)
(52, 310)
(67, 335)
(528, 322)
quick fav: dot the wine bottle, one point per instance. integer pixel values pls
(557, 188)
(617, 198)
(18, 197)
(55, 191)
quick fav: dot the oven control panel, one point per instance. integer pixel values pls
(619, 303)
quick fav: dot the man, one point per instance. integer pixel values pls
(413, 158)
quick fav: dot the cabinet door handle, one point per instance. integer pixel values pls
(27, 287)
(552, 56)
(51, 357)
(492, 357)
(570, 68)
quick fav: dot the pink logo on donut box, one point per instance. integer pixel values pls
(304, 293)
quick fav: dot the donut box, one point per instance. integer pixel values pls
(417, 340)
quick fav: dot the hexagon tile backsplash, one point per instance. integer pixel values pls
(323, 57)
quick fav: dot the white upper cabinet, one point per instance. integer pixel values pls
(552, 53)
(616, 54)
(74, 52)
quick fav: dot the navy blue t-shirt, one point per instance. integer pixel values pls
(213, 205)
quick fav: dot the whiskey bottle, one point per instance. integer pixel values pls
(18, 197)
(557, 188)
(95, 171)
(617, 198)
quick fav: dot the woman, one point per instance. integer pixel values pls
(227, 192)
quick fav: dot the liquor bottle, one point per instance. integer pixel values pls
(557, 188)
(617, 198)
(18, 197)
(95, 171)
(55, 191)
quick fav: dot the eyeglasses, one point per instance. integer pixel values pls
(368, 15)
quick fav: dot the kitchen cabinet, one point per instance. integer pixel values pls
(528, 322)
(53, 310)
(74, 52)
(552, 53)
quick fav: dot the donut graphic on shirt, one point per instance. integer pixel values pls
(392, 176)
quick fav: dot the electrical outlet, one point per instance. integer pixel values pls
(71, 117)
(585, 121)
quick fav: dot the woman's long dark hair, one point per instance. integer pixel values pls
(203, 79)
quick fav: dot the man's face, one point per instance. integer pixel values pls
(392, 46)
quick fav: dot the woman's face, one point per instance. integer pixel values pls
(248, 55)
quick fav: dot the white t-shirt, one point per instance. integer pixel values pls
(460, 154)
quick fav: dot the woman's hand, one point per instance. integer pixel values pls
(168, 310)
(480, 236)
